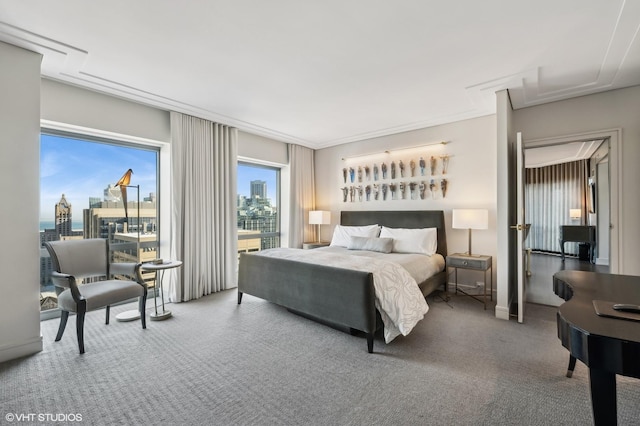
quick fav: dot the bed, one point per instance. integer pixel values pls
(342, 297)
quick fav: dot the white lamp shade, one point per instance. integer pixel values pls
(575, 213)
(470, 219)
(319, 217)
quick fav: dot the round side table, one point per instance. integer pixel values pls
(159, 269)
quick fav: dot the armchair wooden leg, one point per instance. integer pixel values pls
(64, 316)
(80, 330)
(239, 297)
(142, 308)
(572, 365)
(370, 342)
(107, 319)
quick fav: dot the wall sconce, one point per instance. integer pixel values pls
(470, 219)
(575, 214)
(319, 217)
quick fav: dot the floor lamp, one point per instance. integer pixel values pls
(470, 219)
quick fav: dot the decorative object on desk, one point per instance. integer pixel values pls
(470, 219)
(575, 214)
(443, 187)
(319, 217)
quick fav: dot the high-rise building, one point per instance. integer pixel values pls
(63, 217)
(258, 189)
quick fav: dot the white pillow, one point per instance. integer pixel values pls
(342, 234)
(382, 245)
(421, 241)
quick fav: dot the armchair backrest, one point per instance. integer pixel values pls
(80, 258)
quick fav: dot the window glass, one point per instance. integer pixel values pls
(79, 199)
(258, 207)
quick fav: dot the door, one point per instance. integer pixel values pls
(520, 228)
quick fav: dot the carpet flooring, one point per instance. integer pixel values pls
(218, 363)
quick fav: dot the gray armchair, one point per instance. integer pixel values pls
(74, 260)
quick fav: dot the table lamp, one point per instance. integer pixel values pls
(575, 214)
(319, 217)
(470, 219)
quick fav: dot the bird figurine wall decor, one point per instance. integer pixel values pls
(123, 183)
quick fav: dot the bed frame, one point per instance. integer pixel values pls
(340, 297)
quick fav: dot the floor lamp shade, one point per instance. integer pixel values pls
(319, 217)
(470, 219)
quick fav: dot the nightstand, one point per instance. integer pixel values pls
(476, 263)
(316, 244)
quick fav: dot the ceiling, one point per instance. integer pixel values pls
(560, 153)
(322, 73)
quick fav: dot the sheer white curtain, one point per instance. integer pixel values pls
(303, 195)
(203, 207)
(550, 192)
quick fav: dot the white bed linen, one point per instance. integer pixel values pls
(398, 297)
(420, 266)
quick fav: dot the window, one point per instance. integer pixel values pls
(258, 207)
(79, 199)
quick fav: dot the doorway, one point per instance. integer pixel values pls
(569, 184)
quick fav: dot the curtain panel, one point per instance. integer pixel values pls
(301, 165)
(203, 206)
(550, 192)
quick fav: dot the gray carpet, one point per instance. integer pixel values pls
(218, 363)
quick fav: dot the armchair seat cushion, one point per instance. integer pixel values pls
(101, 293)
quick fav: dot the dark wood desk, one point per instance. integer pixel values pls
(578, 234)
(608, 346)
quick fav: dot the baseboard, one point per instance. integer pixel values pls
(502, 313)
(602, 261)
(17, 350)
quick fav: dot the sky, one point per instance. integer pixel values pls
(247, 173)
(80, 169)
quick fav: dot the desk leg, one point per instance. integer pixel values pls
(562, 249)
(603, 397)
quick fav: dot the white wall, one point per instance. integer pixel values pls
(19, 166)
(472, 177)
(609, 110)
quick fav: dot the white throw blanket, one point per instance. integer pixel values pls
(398, 297)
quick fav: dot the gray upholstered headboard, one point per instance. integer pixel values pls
(400, 219)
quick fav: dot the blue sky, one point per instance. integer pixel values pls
(80, 169)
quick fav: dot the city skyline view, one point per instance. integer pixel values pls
(80, 169)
